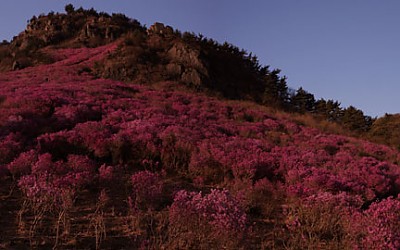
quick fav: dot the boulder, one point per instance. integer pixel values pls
(186, 62)
(185, 55)
(160, 29)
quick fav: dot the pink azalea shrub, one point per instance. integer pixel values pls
(48, 178)
(41, 189)
(9, 147)
(216, 216)
(382, 225)
(106, 174)
(22, 165)
(147, 189)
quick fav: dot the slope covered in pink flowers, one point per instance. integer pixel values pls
(87, 162)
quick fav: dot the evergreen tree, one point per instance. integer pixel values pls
(321, 109)
(69, 8)
(303, 101)
(275, 89)
(355, 120)
(329, 110)
(334, 111)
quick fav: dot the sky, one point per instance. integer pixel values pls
(345, 50)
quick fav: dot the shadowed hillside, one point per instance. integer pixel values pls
(152, 139)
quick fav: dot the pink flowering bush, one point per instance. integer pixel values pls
(382, 224)
(9, 147)
(41, 189)
(214, 219)
(45, 164)
(95, 137)
(22, 165)
(106, 174)
(49, 178)
(147, 189)
(231, 157)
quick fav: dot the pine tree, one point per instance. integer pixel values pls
(69, 8)
(303, 101)
(275, 90)
(355, 120)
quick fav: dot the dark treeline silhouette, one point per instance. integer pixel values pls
(274, 88)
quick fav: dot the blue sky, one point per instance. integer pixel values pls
(346, 50)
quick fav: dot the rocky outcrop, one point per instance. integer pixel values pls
(160, 29)
(159, 55)
(186, 63)
(84, 27)
(78, 28)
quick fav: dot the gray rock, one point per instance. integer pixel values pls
(160, 29)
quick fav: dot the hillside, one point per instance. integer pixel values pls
(141, 141)
(161, 53)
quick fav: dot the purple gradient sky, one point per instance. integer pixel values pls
(346, 50)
